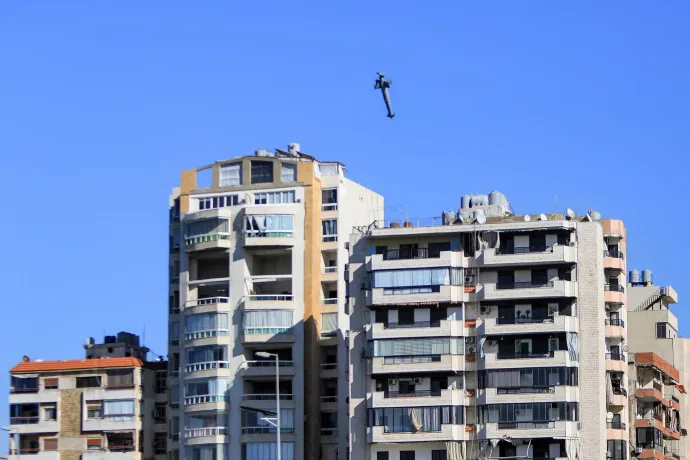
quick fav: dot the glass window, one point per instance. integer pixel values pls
(231, 175)
(329, 324)
(328, 169)
(284, 197)
(88, 382)
(161, 382)
(407, 455)
(49, 413)
(262, 172)
(267, 321)
(419, 347)
(661, 330)
(206, 325)
(118, 410)
(267, 451)
(269, 226)
(382, 455)
(289, 172)
(417, 278)
(439, 455)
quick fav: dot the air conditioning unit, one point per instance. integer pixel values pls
(469, 339)
(392, 382)
(493, 342)
(638, 450)
(607, 307)
(469, 279)
(470, 350)
(484, 310)
(553, 310)
(518, 411)
(417, 381)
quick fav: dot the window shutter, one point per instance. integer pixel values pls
(50, 444)
(50, 384)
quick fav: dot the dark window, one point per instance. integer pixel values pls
(564, 274)
(88, 382)
(660, 330)
(381, 250)
(537, 242)
(506, 280)
(407, 455)
(50, 384)
(406, 316)
(436, 248)
(563, 239)
(381, 455)
(161, 382)
(262, 172)
(540, 277)
(437, 315)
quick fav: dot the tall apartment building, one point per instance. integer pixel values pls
(659, 371)
(99, 408)
(490, 336)
(257, 264)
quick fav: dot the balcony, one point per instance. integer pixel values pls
(213, 239)
(536, 394)
(112, 454)
(417, 398)
(413, 364)
(329, 274)
(267, 368)
(550, 324)
(206, 366)
(329, 403)
(269, 301)
(33, 454)
(614, 260)
(526, 290)
(268, 334)
(274, 230)
(435, 294)
(205, 403)
(268, 400)
(616, 431)
(207, 305)
(614, 328)
(528, 429)
(507, 257)
(559, 358)
(649, 395)
(208, 435)
(616, 362)
(378, 434)
(445, 328)
(114, 422)
(395, 259)
(329, 371)
(614, 293)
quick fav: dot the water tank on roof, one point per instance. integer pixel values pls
(647, 276)
(634, 277)
(110, 339)
(480, 200)
(466, 214)
(465, 201)
(496, 198)
(449, 217)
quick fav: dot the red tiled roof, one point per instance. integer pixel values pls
(75, 365)
(652, 359)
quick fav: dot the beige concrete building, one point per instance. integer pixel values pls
(488, 336)
(659, 372)
(258, 261)
(98, 408)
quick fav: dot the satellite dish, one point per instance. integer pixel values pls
(625, 348)
(527, 218)
(542, 217)
(609, 416)
(481, 217)
(570, 213)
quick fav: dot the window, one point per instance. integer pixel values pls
(329, 324)
(174, 333)
(267, 451)
(206, 230)
(118, 410)
(419, 347)
(414, 281)
(329, 230)
(289, 172)
(285, 197)
(439, 455)
(253, 423)
(222, 201)
(262, 172)
(49, 413)
(120, 378)
(174, 428)
(207, 354)
(528, 412)
(329, 199)
(330, 169)
(661, 330)
(414, 419)
(159, 413)
(50, 384)
(531, 380)
(206, 325)
(231, 175)
(50, 444)
(269, 226)
(267, 321)
(88, 382)
(22, 384)
(93, 444)
(407, 455)
(205, 391)
(382, 455)
(174, 395)
(94, 409)
(161, 382)
(160, 443)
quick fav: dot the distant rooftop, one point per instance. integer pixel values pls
(75, 365)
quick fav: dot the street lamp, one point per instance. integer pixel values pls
(263, 354)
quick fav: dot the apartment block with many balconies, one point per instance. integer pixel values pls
(99, 408)
(257, 265)
(485, 337)
(659, 371)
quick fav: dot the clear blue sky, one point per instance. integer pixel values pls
(103, 103)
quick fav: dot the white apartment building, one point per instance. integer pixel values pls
(492, 336)
(257, 264)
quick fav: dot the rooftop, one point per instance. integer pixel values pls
(75, 365)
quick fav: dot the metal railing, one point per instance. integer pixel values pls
(329, 399)
(265, 429)
(330, 269)
(526, 320)
(329, 238)
(657, 386)
(194, 367)
(419, 359)
(614, 288)
(15, 390)
(523, 250)
(206, 334)
(412, 325)
(333, 301)
(329, 207)
(616, 425)
(268, 234)
(526, 425)
(329, 367)
(206, 301)
(404, 254)
(524, 355)
(25, 451)
(614, 356)
(270, 363)
(614, 253)
(268, 330)
(266, 397)
(24, 420)
(523, 284)
(614, 322)
(329, 432)
(201, 432)
(270, 297)
(525, 390)
(205, 238)
(204, 399)
(411, 394)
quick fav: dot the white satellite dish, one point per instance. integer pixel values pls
(527, 218)
(481, 217)
(625, 348)
(542, 217)
(609, 416)
(570, 213)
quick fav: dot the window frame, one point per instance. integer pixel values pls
(259, 172)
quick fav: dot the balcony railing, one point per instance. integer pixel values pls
(201, 432)
(268, 234)
(194, 367)
(329, 207)
(329, 238)
(412, 394)
(206, 301)
(419, 253)
(264, 429)
(524, 355)
(650, 445)
(270, 363)
(614, 288)
(206, 334)
(270, 330)
(25, 451)
(204, 399)
(329, 432)
(205, 238)
(418, 359)
(330, 269)
(657, 386)
(615, 425)
(620, 391)
(526, 320)
(615, 356)
(270, 297)
(329, 366)
(19, 390)
(614, 322)
(613, 253)
(24, 420)
(526, 425)
(266, 397)
(523, 284)
(412, 325)
(329, 399)
(333, 301)
(523, 250)
(525, 390)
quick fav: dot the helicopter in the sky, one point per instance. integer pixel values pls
(383, 85)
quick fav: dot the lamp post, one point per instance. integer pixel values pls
(263, 354)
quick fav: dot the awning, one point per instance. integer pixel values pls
(681, 388)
